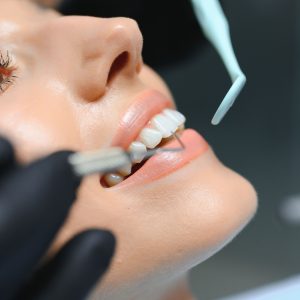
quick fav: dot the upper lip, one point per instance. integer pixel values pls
(144, 106)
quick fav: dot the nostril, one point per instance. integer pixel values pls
(118, 64)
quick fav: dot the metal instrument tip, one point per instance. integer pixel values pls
(161, 150)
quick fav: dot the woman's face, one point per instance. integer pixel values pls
(81, 85)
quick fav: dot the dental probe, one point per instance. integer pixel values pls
(111, 159)
(216, 29)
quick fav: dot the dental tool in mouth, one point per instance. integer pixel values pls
(111, 159)
(117, 163)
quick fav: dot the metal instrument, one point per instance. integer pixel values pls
(111, 159)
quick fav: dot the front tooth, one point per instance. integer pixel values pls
(175, 115)
(138, 150)
(113, 179)
(126, 170)
(164, 124)
(150, 137)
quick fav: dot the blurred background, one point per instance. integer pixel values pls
(259, 137)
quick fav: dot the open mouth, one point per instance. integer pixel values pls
(157, 132)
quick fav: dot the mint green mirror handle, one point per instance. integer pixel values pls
(216, 29)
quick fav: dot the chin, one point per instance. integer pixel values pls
(166, 227)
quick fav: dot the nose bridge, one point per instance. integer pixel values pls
(91, 34)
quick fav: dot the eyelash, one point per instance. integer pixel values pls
(7, 77)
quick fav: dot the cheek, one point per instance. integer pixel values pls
(37, 123)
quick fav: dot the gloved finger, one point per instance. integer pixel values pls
(33, 205)
(75, 269)
(7, 157)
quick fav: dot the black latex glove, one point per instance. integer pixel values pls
(34, 202)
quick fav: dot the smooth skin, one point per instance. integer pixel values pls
(62, 99)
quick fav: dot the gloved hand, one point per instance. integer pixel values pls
(34, 202)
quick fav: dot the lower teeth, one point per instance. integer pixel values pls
(113, 179)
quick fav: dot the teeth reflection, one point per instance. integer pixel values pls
(139, 150)
(150, 137)
(164, 124)
(126, 170)
(113, 179)
(175, 115)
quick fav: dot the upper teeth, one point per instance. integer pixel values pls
(150, 137)
(164, 124)
(176, 116)
(160, 126)
(139, 150)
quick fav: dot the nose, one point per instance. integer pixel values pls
(95, 52)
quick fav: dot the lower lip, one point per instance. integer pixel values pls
(165, 163)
